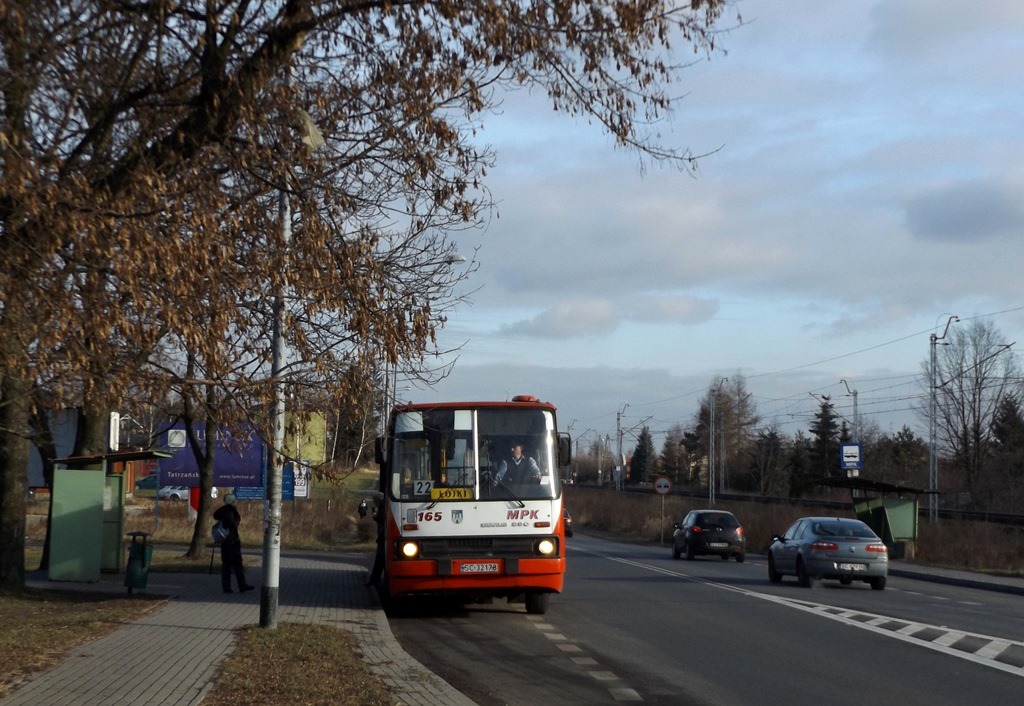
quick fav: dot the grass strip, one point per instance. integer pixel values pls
(297, 663)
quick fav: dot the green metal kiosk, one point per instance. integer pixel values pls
(87, 521)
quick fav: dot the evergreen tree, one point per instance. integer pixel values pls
(674, 458)
(1006, 473)
(824, 431)
(645, 458)
(801, 467)
(908, 456)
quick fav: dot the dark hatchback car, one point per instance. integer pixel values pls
(836, 548)
(709, 532)
(568, 522)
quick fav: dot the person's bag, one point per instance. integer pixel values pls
(219, 532)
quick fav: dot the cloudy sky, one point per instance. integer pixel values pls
(865, 180)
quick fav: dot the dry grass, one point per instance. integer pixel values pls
(647, 518)
(38, 627)
(306, 524)
(315, 665)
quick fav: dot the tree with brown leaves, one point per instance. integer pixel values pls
(145, 147)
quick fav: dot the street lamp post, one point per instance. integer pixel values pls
(933, 461)
(270, 585)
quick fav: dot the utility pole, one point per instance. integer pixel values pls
(618, 453)
(712, 412)
(933, 461)
(856, 419)
(721, 456)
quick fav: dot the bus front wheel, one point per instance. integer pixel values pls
(537, 603)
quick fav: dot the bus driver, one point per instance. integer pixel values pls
(519, 469)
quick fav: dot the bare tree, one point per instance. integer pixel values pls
(974, 374)
(768, 462)
(737, 418)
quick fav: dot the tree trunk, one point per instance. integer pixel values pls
(14, 447)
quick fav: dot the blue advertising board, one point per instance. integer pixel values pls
(239, 458)
(259, 493)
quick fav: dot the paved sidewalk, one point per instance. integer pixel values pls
(173, 655)
(957, 577)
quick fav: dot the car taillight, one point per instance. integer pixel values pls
(739, 531)
(824, 547)
(878, 548)
(697, 530)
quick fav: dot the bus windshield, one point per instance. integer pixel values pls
(475, 453)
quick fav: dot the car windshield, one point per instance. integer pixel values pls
(849, 530)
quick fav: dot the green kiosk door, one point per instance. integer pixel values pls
(76, 538)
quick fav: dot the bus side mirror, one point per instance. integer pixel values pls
(378, 451)
(564, 450)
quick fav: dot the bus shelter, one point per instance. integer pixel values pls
(87, 514)
(890, 510)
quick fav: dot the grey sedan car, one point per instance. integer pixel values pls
(173, 492)
(833, 548)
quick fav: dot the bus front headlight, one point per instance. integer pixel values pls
(546, 547)
(410, 550)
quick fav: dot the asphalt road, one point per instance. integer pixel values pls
(634, 625)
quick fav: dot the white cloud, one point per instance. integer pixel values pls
(867, 183)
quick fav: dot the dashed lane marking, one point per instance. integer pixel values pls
(997, 653)
(616, 688)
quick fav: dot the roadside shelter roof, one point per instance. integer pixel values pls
(113, 457)
(873, 486)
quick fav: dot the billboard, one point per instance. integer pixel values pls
(294, 484)
(239, 457)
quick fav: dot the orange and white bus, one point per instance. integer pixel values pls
(464, 516)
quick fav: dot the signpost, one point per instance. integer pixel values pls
(850, 459)
(662, 486)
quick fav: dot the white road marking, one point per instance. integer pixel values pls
(985, 656)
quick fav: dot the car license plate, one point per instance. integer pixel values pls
(489, 567)
(718, 545)
(852, 567)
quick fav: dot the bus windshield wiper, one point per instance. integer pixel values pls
(494, 481)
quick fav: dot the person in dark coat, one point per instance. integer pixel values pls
(378, 559)
(231, 548)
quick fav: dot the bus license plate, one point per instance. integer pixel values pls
(852, 567)
(489, 567)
